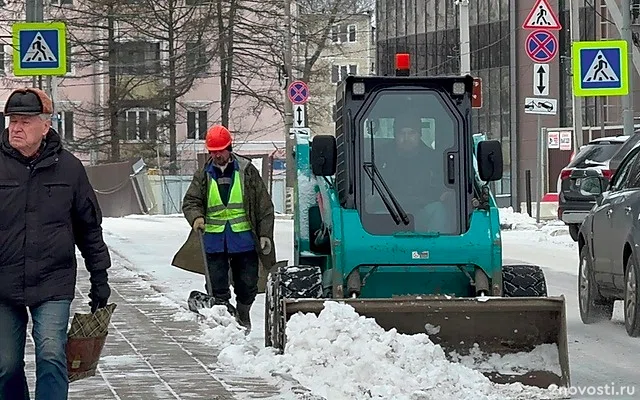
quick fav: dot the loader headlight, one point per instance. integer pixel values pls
(358, 88)
(458, 88)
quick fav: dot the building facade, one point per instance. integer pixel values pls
(82, 95)
(429, 31)
(349, 50)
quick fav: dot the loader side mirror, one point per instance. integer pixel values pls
(490, 163)
(323, 155)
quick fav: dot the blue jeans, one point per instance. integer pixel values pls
(50, 322)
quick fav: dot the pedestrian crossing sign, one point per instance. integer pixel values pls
(39, 48)
(600, 68)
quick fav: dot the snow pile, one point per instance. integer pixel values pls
(342, 355)
(509, 219)
(543, 357)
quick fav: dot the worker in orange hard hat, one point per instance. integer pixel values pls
(229, 202)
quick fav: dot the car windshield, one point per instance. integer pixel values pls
(594, 154)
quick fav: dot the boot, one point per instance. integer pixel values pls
(244, 316)
(232, 310)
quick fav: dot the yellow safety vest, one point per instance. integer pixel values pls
(218, 214)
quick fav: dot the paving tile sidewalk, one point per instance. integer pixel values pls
(149, 354)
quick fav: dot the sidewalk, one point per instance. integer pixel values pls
(151, 354)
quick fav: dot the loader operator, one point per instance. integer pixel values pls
(426, 196)
(229, 202)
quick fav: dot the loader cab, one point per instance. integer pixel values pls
(405, 154)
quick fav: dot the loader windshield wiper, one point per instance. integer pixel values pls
(395, 210)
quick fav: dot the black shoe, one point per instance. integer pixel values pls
(244, 316)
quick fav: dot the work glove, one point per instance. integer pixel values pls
(265, 245)
(99, 295)
(198, 224)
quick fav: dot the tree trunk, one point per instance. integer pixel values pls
(173, 148)
(114, 133)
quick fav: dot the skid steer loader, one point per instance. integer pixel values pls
(394, 216)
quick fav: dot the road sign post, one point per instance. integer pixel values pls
(39, 48)
(600, 68)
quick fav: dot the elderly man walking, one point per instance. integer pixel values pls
(47, 207)
(229, 202)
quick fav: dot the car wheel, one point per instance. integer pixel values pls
(632, 298)
(574, 231)
(593, 308)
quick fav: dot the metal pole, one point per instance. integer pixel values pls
(288, 107)
(545, 160)
(35, 13)
(539, 168)
(627, 101)
(574, 14)
(465, 47)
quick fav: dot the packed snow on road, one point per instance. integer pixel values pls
(337, 354)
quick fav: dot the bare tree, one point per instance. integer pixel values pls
(150, 53)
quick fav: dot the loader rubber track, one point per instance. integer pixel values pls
(523, 281)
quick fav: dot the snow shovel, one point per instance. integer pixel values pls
(85, 341)
(198, 300)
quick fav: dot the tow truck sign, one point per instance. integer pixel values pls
(540, 105)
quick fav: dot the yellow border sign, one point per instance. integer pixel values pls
(39, 48)
(600, 68)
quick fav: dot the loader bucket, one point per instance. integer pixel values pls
(502, 325)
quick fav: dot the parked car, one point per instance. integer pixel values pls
(584, 178)
(609, 256)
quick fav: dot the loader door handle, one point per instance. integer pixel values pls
(451, 168)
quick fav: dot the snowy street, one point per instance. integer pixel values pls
(157, 349)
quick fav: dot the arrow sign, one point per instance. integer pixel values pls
(541, 79)
(299, 120)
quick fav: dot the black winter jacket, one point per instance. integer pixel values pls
(47, 206)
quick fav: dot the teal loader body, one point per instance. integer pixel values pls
(410, 236)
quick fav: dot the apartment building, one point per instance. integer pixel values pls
(82, 95)
(350, 51)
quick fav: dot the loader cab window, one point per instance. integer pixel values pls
(407, 136)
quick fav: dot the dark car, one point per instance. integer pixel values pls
(609, 255)
(584, 178)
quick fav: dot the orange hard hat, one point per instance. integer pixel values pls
(218, 138)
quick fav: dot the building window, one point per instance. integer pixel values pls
(352, 30)
(196, 58)
(139, 125)
(138, 58)
(339, 72)
(335, 34)
(197, 123)
(62, 2)
(66, 125)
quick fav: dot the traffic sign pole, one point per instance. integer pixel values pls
(574, 15)
(627, 100)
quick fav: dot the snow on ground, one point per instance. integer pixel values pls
(525, 227)
(338, 354)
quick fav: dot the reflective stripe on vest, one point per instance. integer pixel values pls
(218, 215)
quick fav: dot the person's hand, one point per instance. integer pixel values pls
(99, 296)
(265, 245)
(198, 224)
